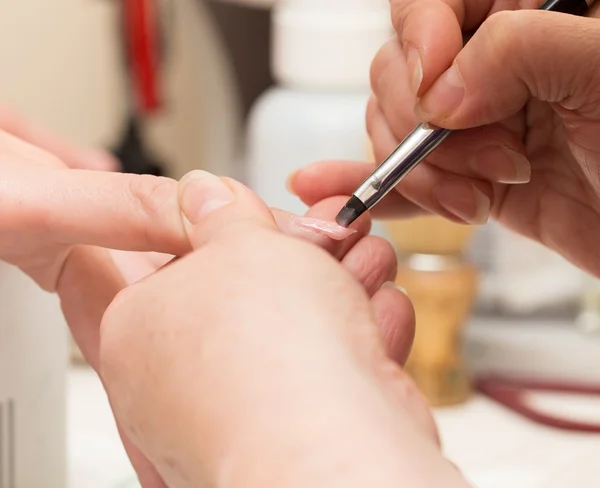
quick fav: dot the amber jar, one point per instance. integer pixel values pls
(442, 286)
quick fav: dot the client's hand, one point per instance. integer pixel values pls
(255, 361)
(49, 211)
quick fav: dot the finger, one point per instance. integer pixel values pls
(384, 134)
(214, 207)
(430, 36)
(448, 192)
(127, 212)
(70, 154)
(426, 189)
(372, 261)
(322, 180)
(396, 321)
(494, 153)
(328, 209)
(455, 197)
(556, 63)
(430, 33)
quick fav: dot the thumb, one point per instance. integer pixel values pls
(212, 206)
(513, 56)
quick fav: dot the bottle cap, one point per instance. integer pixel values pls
(328, 44)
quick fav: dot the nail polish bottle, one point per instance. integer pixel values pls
(442, 285)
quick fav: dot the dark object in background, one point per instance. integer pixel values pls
(246, 34)
(143, 39)
(133, 154)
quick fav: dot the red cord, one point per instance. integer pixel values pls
(141, 25)
(512, 393)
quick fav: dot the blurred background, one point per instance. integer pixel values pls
(255, 90)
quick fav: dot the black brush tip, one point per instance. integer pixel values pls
(353, 209)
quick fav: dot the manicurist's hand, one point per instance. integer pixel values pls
(525, 90)
(257, 361)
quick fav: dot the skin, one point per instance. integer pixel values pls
(525, 90)
(302, 393)
(45, 231)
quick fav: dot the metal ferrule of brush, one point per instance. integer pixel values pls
(411, 151)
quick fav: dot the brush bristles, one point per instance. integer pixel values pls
(353, 209)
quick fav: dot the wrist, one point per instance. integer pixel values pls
(350, 461)
(350, 439)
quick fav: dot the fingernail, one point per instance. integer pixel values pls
(288, 183)
(445, 96)
(396, 286)
(464, 200)
(322, 227)
(202, 193)
(415, 67)
(501, 164)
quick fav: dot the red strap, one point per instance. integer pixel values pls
(141, 25)
(512, 394)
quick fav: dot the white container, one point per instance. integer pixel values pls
(33, 367)
(322, 51)
(530, 278)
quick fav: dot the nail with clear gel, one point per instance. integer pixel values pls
(201, 193)
(322, 227)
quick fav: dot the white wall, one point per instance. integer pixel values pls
(60, 65)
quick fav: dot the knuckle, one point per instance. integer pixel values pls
(375, 261)
(154, 197)
(400, 11)
(151, 193)
(498, 33)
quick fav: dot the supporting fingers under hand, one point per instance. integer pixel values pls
(395, 317)
(372, 261)
(396, 320)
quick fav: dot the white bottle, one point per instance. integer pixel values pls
(322, 51)
(33, 368)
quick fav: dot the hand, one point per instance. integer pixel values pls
(526, 91)
(256, 361)
(49, 211)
